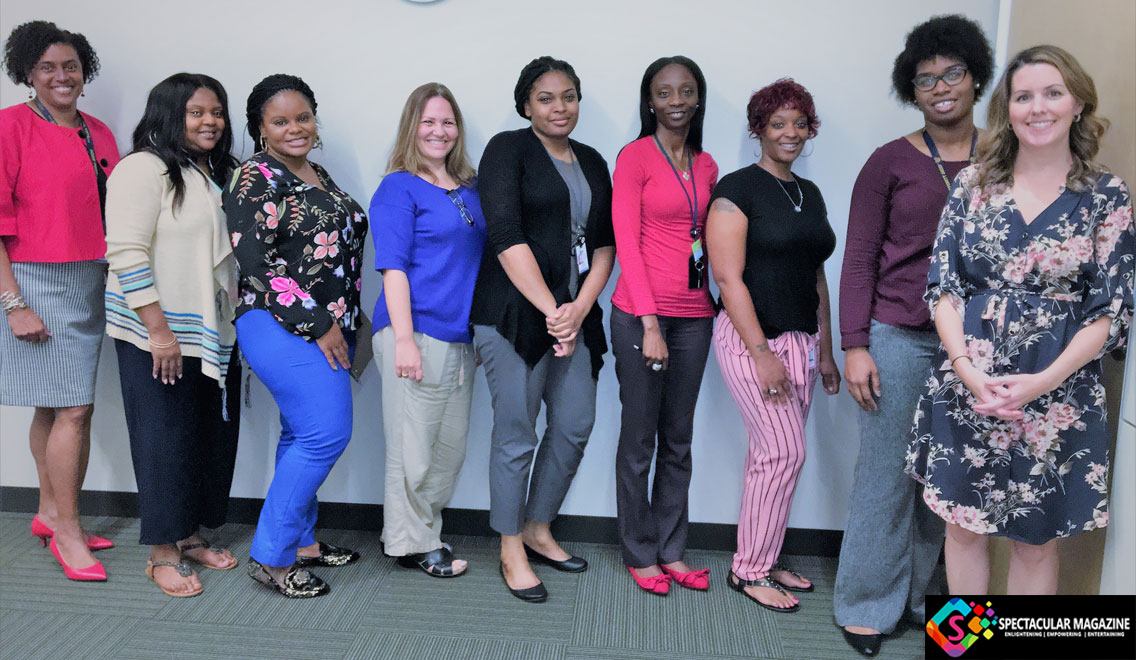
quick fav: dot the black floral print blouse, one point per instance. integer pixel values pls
(299, 249)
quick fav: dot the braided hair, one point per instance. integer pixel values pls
(533, 71)
(265, 90)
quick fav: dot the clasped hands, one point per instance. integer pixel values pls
(564, 326)
(1004, 396)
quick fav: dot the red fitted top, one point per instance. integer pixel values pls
(49, 197)
(651, 217)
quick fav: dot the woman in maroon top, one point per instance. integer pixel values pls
(54, 162)
(891, 544)
(661, 319)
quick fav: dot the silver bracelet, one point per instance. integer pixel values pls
(11, 302)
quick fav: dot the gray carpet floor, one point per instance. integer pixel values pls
(377, 610)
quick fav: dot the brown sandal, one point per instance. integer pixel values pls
(209, 547)
(183, 570)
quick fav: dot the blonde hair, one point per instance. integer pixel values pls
(998, 148)
(405, 156)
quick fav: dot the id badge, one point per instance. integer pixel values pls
(581, 252)
(696, 249)
(812, 358)
(696, 273)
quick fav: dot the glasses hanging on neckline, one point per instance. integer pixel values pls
(460, 203)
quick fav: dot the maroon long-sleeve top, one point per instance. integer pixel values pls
(896, 204)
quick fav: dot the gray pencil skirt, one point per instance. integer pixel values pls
(60, 372)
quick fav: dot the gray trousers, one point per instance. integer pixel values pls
(566, 387)
(892, 540)
(656, 404)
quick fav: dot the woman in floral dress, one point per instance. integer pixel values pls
(1031, 284)
(298, 239)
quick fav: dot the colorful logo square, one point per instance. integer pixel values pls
(958, 625)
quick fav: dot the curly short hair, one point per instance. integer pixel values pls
(532, 73)
(947, 36)
(28, 42)
(264, 90)
(784, 93)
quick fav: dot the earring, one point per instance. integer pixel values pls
(318, 144)
(263, 143)
(82, 93)
(651, 109)
(1077, 117)
(810, 142)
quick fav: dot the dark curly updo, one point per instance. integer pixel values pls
(28, 42)
(532, 73)
(947, 36)
(265, 90)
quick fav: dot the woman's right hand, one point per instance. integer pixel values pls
(862, 376)
(27, 326)
(654, 346)
(977, 381)
(772, 377)
(407, 359)
(334, 348)
(564, 348)
(167, 361)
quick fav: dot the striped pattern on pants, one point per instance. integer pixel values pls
(776, 441)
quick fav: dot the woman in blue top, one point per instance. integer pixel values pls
(429, 234)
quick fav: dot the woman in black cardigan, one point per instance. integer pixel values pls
(547, 204)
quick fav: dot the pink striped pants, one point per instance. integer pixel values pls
(776, 441)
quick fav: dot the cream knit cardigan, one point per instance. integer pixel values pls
(181, 260)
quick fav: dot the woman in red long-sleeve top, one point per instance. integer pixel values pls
(661, 318)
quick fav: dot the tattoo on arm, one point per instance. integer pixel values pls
(724, 205)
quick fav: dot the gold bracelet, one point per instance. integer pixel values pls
(173, 342)
(958, 358)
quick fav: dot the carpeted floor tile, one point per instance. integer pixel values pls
(390, 646)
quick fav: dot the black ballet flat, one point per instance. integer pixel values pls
(866, 645)
(537, 594)
(572, 564)
(329, 555)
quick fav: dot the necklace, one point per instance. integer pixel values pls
(800, 194)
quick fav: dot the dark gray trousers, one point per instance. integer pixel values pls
(656, 405)
(892, 540)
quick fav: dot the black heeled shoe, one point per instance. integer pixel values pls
(537, 594)
(866, 645)
(572, 564)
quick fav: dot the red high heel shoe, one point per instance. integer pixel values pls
(698, 580)
(659, 585)
(92, 573)
(45, 533)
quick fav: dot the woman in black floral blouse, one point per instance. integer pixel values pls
(298, 239)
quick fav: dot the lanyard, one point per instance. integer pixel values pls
(693, 186)
(939, 161)
(85, 133)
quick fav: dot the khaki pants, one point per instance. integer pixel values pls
(425, 426)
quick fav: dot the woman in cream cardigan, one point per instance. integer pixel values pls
(170, 310)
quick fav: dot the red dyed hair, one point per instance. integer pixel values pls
(785, 93)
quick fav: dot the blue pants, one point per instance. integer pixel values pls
(315, 420)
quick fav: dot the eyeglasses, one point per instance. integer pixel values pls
(460, 203)
(925, 82)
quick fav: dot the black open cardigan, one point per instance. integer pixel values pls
(525, 200)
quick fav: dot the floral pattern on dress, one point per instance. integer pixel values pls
(299, 249)
(1023, 292)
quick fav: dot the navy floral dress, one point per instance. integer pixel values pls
(1023, 291)
(299, 249)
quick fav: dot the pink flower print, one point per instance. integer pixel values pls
(999, 196)
(359, 284)
(981, 353)
(975, 456)
(249, 298)
(271, 218)
(1017, 267)
(1109, 232)
(972, 519)
(1000, 440)
(289, 290)
(1080, 247)
(235, 238)
(338, 308)
(327, 243)
(1062, 415)
(265, 171)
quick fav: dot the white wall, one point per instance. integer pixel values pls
(363, 57)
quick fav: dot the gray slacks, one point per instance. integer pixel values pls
(568, 391)
(892, 540)
(656, 405)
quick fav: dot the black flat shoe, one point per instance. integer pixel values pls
(537, 594)
(298, 583)
(866, 645)
(572, 564)
(741, 584)
(436, 563)
(329, 556)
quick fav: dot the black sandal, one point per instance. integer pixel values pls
(802, 590)
(437, 563)
(298, 583)
(741, 584)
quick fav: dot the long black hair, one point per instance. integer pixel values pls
(647, 119)
(161, 131)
